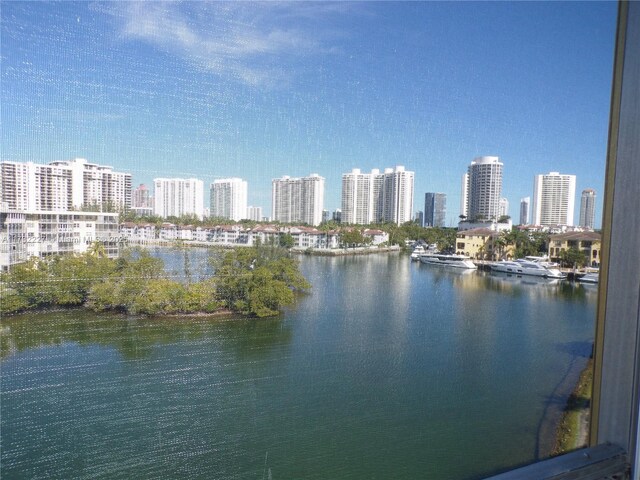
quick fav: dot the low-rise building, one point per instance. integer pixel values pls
(377, 236)
(490, 225)
(589, 243)
(483, 244)
(26, 234)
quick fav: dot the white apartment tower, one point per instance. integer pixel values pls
(298, 199)
(398, 195)
(482, 188)
(553, 199)
(524, 210)
(377, 197)
(464, 195)
(178, 196)
(254, 213)
(63, 185)
(358, 199)
(229, 199)
(588, 208)
(504, 207)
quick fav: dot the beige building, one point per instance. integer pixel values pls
(482, 244)
(587, 242)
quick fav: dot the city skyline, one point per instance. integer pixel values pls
(311, 87)
(366, 197)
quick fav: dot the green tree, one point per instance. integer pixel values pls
(28, 284)
(123, 290)
(352, 237)
(286, 240)
(258, 281)
(572, 258)
(499, 245)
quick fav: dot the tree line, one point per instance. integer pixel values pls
(256, 281)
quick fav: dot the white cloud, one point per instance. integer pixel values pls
(254, 43)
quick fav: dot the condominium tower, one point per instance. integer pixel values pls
(588, 208)
(503, 210)
(482, 188)
(254, 213)
(178, 196)
(435, 209)
(377, 197)
(553, 199)
(298, 199)
(141, 197)
(229, 199)
(63, 185)
(524, 210)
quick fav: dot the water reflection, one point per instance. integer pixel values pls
(387, 369)
(136, 337)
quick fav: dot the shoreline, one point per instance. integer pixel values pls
(338, 252)
(328, 252)
(558, 408)
(573, 430)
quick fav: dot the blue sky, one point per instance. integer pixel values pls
(261, 90)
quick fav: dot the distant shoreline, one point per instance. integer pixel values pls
(338, 252)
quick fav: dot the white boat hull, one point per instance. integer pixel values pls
(448, 261)
(589, 278)
(516, 269)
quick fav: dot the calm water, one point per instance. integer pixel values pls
(388, 369)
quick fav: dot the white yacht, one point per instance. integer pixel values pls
(449, 260)
(527, 267)
(589, 277)
(419, 250)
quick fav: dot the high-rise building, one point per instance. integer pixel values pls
(229, 199)
(298, 199)
(482, 188)
(553, 199)
(503, 210)
(398, 195)
(377, 197)
(435, 209)
(359, 199)
(178, 196)
(141, 197)
(63, 185)
(524, 210)
(588, 208)
(254, 213)
(464, 196)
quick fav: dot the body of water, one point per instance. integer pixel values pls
(387, 369)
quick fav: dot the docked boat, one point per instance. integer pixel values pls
(419, 250)
(527, 267)
(591, 277)
(448, 260)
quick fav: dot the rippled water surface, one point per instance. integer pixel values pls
(387, 369)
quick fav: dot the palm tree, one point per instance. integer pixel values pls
(498, 245)
(97, 250)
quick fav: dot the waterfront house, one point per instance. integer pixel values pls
(483, 244)
(588, 243)
(377, 236)
(168, 231)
